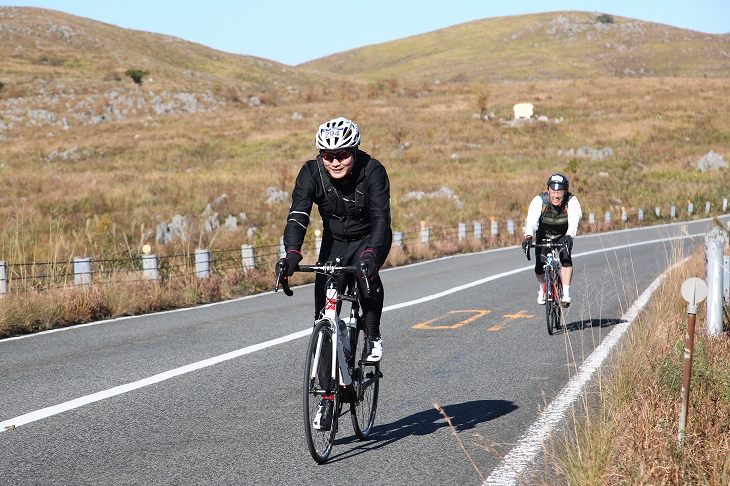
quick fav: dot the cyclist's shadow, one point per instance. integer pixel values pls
(592, 323)
(464, 416)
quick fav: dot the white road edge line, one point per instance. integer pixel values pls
(530, 444)
(118, 390)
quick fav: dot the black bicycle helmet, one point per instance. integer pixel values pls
(557, 182)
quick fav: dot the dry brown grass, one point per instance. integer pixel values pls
(629, 433)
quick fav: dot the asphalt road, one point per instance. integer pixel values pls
(212, 395)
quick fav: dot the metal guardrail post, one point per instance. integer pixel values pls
(495, 228)
(462, 231)
(477, 230)
(510, 227)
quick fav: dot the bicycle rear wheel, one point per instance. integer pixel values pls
(318, 387)
(366, 383)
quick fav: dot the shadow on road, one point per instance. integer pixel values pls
(464, 416)
(595, 323)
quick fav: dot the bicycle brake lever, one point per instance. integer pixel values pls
(284, 281)
(365, 278)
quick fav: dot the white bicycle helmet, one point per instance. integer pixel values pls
(338, 133)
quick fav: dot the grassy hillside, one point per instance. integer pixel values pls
(92, 163)
(562, 45)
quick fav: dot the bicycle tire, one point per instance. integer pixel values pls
(559, 304)
(549, 300)
(317, 385)
(366, 383)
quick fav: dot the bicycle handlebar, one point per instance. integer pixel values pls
(547, 244)
(327, 268)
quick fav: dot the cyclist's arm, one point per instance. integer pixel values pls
(533, 216)
(301, 206)
(379, 207)
(574, 214)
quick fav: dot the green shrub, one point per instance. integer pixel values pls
(136, 75)
(605, 19)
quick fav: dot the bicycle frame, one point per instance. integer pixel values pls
(552, 265)
(330, 313)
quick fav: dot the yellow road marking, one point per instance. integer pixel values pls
(520, 315)
(477, 315)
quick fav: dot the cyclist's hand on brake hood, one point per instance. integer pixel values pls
(367, 265)
(526, 246)
(566, 241)
(290, 263)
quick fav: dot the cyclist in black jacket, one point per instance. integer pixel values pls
(352, 192)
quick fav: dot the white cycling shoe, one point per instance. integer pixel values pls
(541, 296)
(566, 301)
(374, 350)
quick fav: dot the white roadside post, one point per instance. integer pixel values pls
(425, 233)
(248, 257)
(462, 231)
(398, 239)
(714, 258)
(477, 230)
(511, 227)
(202, 262)
(149, 263)
(694, 291)
(82, 271)
(317, 241)
(3, 279)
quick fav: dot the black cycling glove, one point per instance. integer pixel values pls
(290, 263)
(526, 246)
(367, 265)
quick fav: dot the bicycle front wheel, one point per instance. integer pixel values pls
(366, 384)
(550, 303)
(320, 417)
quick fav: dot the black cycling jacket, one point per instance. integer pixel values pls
(343, 218)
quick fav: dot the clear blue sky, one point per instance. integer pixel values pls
(296, 31)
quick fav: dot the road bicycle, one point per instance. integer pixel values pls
(553, 287)
(333, 373)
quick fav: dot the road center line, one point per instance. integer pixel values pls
(121, 389)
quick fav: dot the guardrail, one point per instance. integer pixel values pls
(204, 262)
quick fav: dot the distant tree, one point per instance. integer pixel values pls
(605, 19)
(2, 85)
(136, 75)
